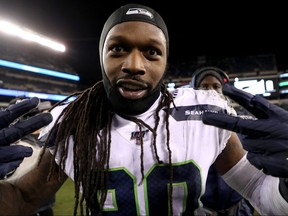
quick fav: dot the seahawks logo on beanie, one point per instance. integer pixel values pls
(139, 11)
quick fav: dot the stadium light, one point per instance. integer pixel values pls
(43, 71)
(28, 94)
(26, 34)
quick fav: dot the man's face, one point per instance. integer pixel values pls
(134, 58)
(211, 83)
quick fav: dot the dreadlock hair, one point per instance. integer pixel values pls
(87, 120)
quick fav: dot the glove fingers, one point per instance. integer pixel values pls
(243, 98)
(275, 164)
(14, 152)
(255, 128)
(236, 124)
(20, 129)
(263, 145)
(273, 110)
(14, 111)
(257, 105)
(9, 168)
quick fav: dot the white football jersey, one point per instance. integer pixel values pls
(194, 146)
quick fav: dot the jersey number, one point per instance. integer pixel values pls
(122, 197)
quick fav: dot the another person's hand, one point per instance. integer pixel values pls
(265, 138)
(12, 130)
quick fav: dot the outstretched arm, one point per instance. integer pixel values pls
(26, 194)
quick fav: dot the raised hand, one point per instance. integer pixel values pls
(265, 138)
(12, 130)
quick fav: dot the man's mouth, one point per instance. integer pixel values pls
(132, 89)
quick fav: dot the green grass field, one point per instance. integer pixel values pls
(64, 205)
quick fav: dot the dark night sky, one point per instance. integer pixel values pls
(208, 29)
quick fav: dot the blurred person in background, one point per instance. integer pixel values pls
(219, 198)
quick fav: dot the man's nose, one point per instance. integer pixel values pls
(134, 63)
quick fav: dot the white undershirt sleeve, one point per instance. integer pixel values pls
(261, 190)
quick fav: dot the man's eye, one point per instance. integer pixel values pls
(117, 49)
(203, 87)
(218, 87)
(153, 52)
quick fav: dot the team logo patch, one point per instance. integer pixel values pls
(141, 11)
(195, 112)
(137, 135)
